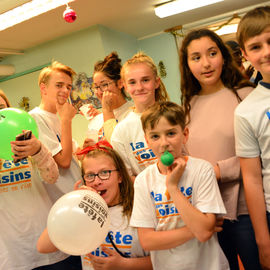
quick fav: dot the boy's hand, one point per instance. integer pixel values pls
(66, 111)
(175, 172)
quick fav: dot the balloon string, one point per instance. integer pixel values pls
(115, 247)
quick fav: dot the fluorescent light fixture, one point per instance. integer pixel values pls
(28, 11)
(175, 7)
(227, 29)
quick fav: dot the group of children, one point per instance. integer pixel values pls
(170, 219)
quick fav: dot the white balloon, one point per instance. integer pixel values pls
(78, 222)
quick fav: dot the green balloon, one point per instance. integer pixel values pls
(167, 158)
(12, 122)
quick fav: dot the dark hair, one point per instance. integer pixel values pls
(173, 112)
(231, 77)
(253, 24)
(110, 67)
(126, 186)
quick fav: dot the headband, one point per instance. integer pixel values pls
(101, 145)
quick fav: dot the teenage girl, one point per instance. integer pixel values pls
(104, 171)
(142, 83)
(212, 87)
(110, 92)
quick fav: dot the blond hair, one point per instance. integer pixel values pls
(140, 57)
(46, 72)
(253, 24)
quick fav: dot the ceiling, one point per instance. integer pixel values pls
(134, 17)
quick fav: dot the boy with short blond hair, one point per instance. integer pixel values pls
(252, 127)
(175, 206)
(55, 83)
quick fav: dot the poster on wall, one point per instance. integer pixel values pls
(82, 92)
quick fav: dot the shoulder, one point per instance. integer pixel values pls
(197, 165)
(253, 98)
(244, 92)
(143, 178)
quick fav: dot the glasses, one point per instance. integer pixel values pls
(102, 175)
(103, 87)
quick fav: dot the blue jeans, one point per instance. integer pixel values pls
(70, 263)
(237, 238)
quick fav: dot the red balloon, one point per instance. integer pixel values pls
(69, 15)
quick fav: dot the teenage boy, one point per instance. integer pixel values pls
(55, 83)
(252, 127)
(175, 207)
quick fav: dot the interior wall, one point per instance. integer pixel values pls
(80, 51)
(163, 48)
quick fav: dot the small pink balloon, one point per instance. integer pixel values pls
(69, 15)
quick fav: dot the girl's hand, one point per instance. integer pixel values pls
(88, 142)
(25, 148)
(78, 186)
(175, 172)
(92, 112)
(219, 223)
(112, 262)
(109, 101)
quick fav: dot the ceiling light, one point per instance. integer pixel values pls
(28, 11)
(175, 7)
(227, 29)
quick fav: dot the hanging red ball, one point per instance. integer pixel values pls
(69, 15)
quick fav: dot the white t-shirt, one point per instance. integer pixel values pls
(24, 207)
(129, 141)
(120, 113)
(124, 237)
(49, 128)
(153, 209)
(252, 129)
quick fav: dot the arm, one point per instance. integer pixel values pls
(228, 170)
(44, 244)
(115, 261)
(253, 186)
(120, 147)
(157, 240)
(201, 225)
(66, 113)
(42, 157)
(108, 128)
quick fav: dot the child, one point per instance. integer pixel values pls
(109, 90)
(142, 83)
(24, 203)
(252, 127)
(212, 86)
(55, 84)
(104, 171)
(175, 207)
